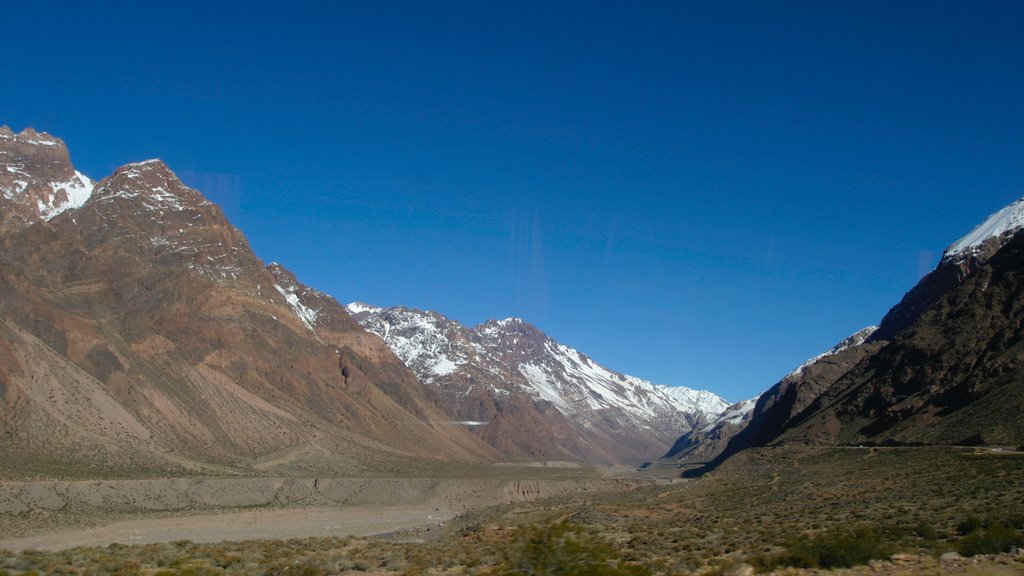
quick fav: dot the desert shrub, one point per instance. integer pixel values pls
(968, 525)
(926, 531)
(835, 549)
(1015, 521)
(991, 539)
(564, 549)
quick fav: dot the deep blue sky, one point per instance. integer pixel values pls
(697, 193)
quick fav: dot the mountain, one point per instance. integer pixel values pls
(138, 331)
(943, 367)
(533, 397)
(960, 260)
(706, 443)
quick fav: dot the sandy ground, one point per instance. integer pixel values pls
(249, 525)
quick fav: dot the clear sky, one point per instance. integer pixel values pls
(697, 193)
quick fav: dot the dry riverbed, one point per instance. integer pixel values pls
(54, 515)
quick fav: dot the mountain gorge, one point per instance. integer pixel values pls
(140, 332)
(533, 397)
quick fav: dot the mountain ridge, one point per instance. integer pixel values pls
(615, 417)
(140, 332)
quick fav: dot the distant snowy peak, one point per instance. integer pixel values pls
(430, 344)
(435, 346)
(1007, 221)
(359, 307)
(702, 401)
(855, 339)
(734, 414)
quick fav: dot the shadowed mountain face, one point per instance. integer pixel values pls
(534, 398)
(767, 415)
(139, 331)
(954, 376)
(944, 366)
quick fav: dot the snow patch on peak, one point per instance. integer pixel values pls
(29, 136)
(78, 189)
(150, 162)
(307, 315)
(1008, 220)
(357, 307)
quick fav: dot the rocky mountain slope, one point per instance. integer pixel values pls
(533, 397)
(706, 443)
(138, 331)
(942, 368)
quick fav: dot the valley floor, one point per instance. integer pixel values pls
(780, 510)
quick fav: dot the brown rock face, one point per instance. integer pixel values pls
(141, 332)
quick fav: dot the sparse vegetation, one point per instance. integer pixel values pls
(564, 549)
(833, 549)
(990, 536)
(773, 509)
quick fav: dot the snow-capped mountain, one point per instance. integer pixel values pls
(509, 374)
(961, 259)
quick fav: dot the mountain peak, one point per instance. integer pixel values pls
(506, 325)
(511, 321)
(153, 184)
(37, 180)
(359, 307)
(1004, 222)
(30, 136)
